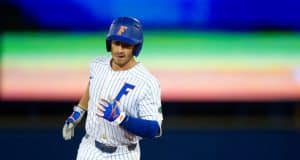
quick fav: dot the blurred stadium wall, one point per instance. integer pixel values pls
(229, 72)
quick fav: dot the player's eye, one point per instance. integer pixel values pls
(117, 43)
(125, 45)
(122, 44)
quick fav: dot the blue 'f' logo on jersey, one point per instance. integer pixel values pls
(124, 91)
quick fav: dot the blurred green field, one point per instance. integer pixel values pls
(168, 49)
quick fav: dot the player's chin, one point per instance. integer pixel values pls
(120, 61)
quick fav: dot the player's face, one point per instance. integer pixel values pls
(122, 55)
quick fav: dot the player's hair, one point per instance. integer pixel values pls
(127, 30)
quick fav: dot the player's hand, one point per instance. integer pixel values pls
(110, 110)
(71, 122)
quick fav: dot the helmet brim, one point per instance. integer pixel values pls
(123, 39)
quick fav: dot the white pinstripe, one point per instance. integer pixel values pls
(143, 102)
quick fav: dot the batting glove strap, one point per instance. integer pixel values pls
(119, 119)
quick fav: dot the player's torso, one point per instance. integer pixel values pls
(125, 87)
(113, 84)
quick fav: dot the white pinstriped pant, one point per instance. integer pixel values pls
(88, 151)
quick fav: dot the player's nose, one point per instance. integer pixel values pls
(120, 49)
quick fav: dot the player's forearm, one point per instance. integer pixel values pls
(83, 103)
(141, 127)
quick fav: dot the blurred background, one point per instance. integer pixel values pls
(229, 73)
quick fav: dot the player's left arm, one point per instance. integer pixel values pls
(148, 122)
(139, 126)
(142, 127)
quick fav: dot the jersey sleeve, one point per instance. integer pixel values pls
(92, 71)
(95, 63)
(150, 107)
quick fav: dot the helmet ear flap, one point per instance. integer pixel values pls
(108, 45)
(137, 49)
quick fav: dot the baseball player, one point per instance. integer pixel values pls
(122, 99)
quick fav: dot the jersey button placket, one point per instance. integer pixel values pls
(106, 90)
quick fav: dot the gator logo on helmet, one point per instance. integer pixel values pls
(122, 29)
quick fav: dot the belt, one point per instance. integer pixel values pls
(110, 149)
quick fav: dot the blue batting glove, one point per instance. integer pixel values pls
(110, 111)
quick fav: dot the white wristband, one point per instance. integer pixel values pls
(120, 119)
(78, 109)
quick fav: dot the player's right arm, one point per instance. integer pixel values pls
(78, 112)
(83, 103)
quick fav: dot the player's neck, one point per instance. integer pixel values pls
(122, 67)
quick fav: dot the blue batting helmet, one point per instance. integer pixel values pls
(127, 30)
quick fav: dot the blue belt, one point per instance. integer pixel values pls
(110, 149)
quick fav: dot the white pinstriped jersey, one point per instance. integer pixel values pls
(143, 101)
